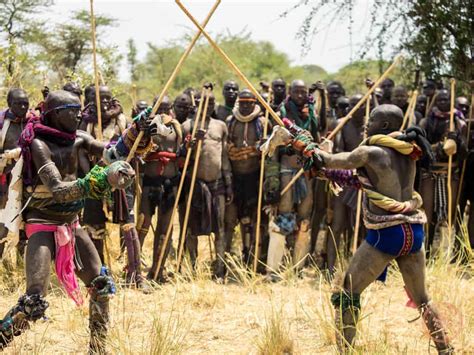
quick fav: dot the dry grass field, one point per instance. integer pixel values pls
(192, 314)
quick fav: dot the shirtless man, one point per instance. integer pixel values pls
(433, 187)
(291, 224)
(213, 189)
(12, 122)
(345, 205)
(160, 180)
(230, 92)
(50, 149)
(245, 128)
(387, 172)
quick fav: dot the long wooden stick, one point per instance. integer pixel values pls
(346, 119)
(174, 74)
(260, 194)
(450, 162)
(96, 74)
(180, 189)
(232, 65)
(191, 187)
(359, 193)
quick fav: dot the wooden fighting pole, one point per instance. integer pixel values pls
(232, 65)
(96, 74)
(260, 192)
(359, 193)
(180, 188)
(174, 74)
(193, 181)
(346, 119)
(450, 162)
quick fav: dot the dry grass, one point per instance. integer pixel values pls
(193, 314)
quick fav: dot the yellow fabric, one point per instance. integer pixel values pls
(384, 202)
(383, 140)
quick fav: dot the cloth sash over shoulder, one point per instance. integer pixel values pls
(400, 211)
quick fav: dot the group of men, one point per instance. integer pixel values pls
(70, 180)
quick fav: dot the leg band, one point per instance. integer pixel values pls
(342, 300)
(29, 308)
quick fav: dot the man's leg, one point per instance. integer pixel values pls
(32, 305)
(101, 288)
(338, 226)
(364, 268)
(220, 243)
(427, 193)
(412, 268)
(319, 212)
(147, 210)
(164, 219)
(303, 235)
(277, 239)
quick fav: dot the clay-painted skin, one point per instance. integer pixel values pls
(57, 178)
(213, 164)
(393, 175)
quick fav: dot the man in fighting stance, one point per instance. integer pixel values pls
(53, 197)
(385, 166)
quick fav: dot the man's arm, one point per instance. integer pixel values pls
(51, 177)
(358, 158)
(91, 145)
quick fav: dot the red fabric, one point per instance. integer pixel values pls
(64, 237)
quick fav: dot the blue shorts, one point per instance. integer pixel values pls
(402, 239)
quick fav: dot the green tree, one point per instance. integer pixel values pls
(258, 60)
(16, 22)
(68, 45)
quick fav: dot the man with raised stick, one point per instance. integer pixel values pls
(52, 199)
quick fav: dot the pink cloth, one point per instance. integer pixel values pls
(64, 236)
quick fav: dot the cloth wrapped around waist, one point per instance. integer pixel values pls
(163, 159)
(42, 198)
(161, 191)
(205, 204)
(242, 153)
(299, 188)
(246, 191)
(64, 237)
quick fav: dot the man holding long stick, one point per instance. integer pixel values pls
(433, 187)
(291, 225)
(213, 189)
(245, 127)
(386, 168)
